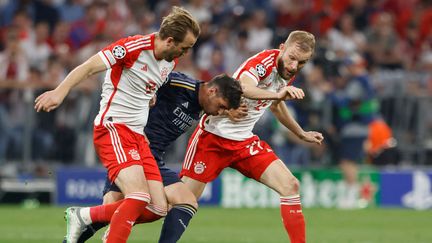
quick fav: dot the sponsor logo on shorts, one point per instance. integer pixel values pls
(134, 154)
(199, 167)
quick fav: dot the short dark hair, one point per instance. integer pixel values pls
(229, 89)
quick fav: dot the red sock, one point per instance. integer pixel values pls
(150, 214)
(103, 213)
(293, 219)
(125, 216)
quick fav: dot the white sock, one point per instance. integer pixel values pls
(85, 215)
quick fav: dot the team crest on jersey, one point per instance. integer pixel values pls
(199, 167)
(134, 154)
(261, 70)
(119, 52)
(164, 73)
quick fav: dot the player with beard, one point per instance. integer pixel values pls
(136, 67)
(219, 142)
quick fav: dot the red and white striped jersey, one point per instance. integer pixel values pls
(262, 69)
(133, 77)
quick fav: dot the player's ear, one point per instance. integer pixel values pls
(282, 46)
(213, 90)
(170, 41)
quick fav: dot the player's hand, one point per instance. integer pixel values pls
(312, 137)
(237, 114)
(290, 93)
(49, 100)
(153, 101)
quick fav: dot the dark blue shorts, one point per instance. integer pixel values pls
(169, 177)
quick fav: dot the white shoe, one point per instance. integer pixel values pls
(74, 224)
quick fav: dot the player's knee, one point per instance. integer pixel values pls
(184, 198)
(291, 186)
(112, 196)
(158, 209)
(163, 206)
(191, 201)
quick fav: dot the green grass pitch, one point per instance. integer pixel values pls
(216, 225)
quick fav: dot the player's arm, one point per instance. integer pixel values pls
(50, 100)
(280, 110)
(251, 91)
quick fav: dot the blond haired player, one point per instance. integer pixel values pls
(136, 67)
(219, 142)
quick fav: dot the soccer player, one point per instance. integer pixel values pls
(218, 142)
(137, 66)
(179, 103)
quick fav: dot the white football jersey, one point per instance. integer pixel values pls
(133, 77)
(261, 68)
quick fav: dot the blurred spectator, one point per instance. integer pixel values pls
(361, 11)
(242, 52)
(220, 11)
(93, 23)
(345, 40)
(14, 70)
(259, 35)
(142, 21)
(199, 9)
(43, 133)
(292, 15)
(205, 36)
(118, 20)
(380, 144)
(61, 44)
(220, 41)
(14, 62)
(23, 23)
(99, 42)
(45, 11)
(71, 10)
(37, 50)
(384, 46)
(426, 57)
(216, 67)
(326, 12)
(186, 65)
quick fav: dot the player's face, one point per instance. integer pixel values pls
(213, 103)
(292, 60)
(178, 49)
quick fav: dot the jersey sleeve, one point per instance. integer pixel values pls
(259, 66)
(124, 52)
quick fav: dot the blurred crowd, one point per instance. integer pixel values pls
(368, 86)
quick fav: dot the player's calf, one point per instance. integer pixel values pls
(184, 208)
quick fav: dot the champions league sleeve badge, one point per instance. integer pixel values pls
(260, 70)
(119, 52)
